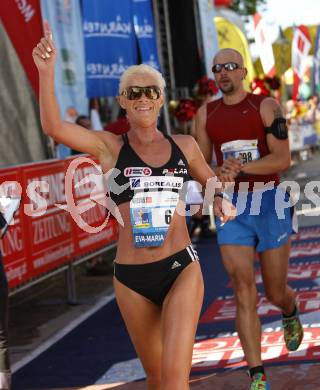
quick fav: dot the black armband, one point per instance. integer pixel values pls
(278, 128)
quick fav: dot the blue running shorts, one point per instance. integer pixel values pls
(264, 229)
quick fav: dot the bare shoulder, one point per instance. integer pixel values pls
(201, 113)
(187, 144)
(270, 104)
(270, 109)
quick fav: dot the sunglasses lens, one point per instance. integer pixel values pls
(217, 68)
(135, 93)
(230, 66)
(152, 93)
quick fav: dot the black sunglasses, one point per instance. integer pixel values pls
(228, 66)
(151, 92)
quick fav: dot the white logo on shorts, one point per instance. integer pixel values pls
(284, 235)
(176, 264)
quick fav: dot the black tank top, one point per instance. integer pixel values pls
(133, 174)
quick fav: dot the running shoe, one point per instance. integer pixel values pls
(259, 382)
(293, 332)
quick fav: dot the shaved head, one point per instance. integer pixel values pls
(229, 79)
(228, 54)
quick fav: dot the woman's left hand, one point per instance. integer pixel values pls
(224, 209)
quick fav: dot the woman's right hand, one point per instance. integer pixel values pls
(44, 54)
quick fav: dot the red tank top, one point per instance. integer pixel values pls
(241, 121)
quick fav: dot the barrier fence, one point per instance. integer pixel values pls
(44, 237)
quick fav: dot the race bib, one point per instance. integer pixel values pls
(151, 214)
(246, 149)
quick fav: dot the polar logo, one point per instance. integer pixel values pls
(175, 171)
(137, 171)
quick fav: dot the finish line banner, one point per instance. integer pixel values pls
(110, 46)
(145, 32)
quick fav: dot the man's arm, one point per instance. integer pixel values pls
(279, 158)
(206, 147)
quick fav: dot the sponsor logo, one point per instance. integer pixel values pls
(175, 171)
(137, 171)
(176, 264)
(156, 182)
(135, 183)
(181, 163)
(146, 199)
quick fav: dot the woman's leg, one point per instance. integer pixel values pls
(143, 321)
(180, 316)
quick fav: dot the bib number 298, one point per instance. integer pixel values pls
(246, 156)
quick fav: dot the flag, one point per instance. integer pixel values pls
(264, 46)
(316, 66)
(301, 46)
(23, 24)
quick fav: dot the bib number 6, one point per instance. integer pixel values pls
(168, 217)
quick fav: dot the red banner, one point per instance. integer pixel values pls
(49, 228)
(88, 194)
(23, 23)
(44, 235)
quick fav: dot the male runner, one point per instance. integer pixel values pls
(249, 135)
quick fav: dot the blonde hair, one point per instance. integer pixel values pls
(141, 70)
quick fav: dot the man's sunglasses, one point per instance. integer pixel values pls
(228, 66)
(134, 93)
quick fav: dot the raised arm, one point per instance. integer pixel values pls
(72, 135)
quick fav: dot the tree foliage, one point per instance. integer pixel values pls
(246, 7)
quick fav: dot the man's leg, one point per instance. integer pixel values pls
(238, 261)
(274, 268)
